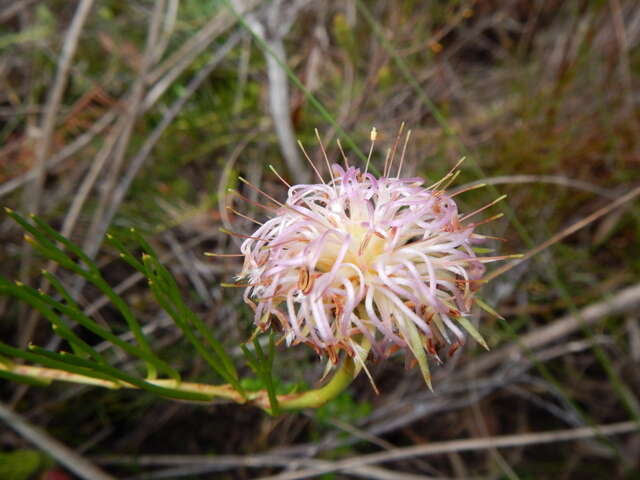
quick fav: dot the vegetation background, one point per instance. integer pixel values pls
(118, 114)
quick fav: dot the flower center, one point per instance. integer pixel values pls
(364, 247)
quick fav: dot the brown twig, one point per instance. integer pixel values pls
(201, 464)
(551, 179)
(624, 301)
(45, 442)
(128, 120)
(54, 100)
(71, 149)
(437, 448)
(163, 76)
(565, 233)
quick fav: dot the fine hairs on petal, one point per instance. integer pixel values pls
(387, 262)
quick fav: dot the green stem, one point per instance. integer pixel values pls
(109, 377)
(43, 376)
(318, 397)
(311, 399)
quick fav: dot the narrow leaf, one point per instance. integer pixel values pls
(16, 377)
(488, 308)
(468, 326)
(416, 347)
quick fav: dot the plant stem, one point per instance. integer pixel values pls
(318, 397)
(49, 374)
(311, 399)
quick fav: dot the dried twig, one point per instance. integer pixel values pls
(93, 241)
(184, 465)
(141, 157)
(566, 232)
(272, 31)
(53, 161)
(100, 218)
(624, 301)
(63, 454)
(437, 448)
(279, 104)
(55, 99)
(14, 9)
(552, 179)
(166, 73)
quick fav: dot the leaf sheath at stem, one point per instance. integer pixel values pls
(316, 398)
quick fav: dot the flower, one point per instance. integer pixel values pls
(387, 262)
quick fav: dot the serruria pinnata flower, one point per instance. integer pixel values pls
(359, 259)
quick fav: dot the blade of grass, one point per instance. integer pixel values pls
(298, 83)
(107, 372)
(33, 298)
(40, 233)
(262, 366)
(74, 312)
(166, 279)
(53, 363)
(169, 297)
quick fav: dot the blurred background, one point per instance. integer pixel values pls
(118, 114)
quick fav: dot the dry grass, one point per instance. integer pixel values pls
(142, 113)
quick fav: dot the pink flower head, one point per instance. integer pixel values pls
(384, 260)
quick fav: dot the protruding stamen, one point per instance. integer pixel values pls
(448, 175)
(449, 180)
(278, 175)
(241, 235)
(487, 259)
(404, 150)
(246, 217)
(455, 193)
(310, 162)
(486, 220)
(344, 157)
(255, 204)
(387, 168)
(481, 209)
(253, 187)
(373, 135)
(324, 154)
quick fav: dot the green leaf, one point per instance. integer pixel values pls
(52, 361)
(468, 326)
(168, 295)
(42, 244)
(73, 248)
(38, 301)
(44, 239)
(488, 308)
(262, 366)
(416, 347)
(124, 253)
(19, 464)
